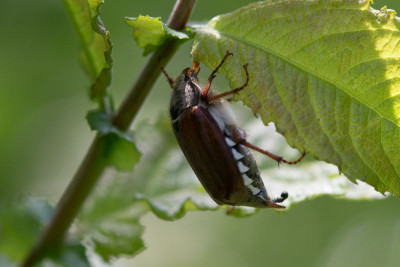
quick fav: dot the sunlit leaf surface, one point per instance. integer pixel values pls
(325, 72)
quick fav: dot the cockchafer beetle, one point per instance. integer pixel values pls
(215, 147)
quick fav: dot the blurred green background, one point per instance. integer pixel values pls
(44, 136)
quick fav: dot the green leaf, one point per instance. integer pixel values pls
(150, 32)
(326, 72)
(120, 152)
(95, 43)
(20, 226)
(164, 179)
(164, 183)
(118, 147)
(111, 224)
(69, 255)
(101, 121)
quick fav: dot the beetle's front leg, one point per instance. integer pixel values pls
(234, 91)
(206, 89)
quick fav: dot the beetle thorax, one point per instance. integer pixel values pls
(186, 94)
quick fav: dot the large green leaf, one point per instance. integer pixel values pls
(326, 72)
(164, 183)
(95, 43)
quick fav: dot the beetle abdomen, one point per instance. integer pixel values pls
(256, 194)
(227, 170)
(196, 128)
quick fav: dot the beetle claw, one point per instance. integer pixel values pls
(283, 197)
(279, 160)
(230, 210)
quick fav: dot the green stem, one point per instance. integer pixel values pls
(94, 163)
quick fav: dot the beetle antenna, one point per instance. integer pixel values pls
(170, 80)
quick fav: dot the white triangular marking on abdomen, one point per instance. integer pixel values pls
(253, 189)
(247, 181)
(230, 142)
(236, 154)
(242, 167)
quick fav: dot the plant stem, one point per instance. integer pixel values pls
(132, 103)
(94, 163)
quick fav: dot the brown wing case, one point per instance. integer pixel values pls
(204, 146)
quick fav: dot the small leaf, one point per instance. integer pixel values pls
(118, 147)
(100, 121)
(20, 226)
(95, 44)
(326, 72)
(150, 32)
(120, 152)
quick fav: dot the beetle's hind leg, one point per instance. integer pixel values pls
(239, 137)
(277, 158)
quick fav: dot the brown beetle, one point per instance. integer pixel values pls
(215, 147)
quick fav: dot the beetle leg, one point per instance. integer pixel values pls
(196, 66)
(283, 197)
(213, 74)
(277, 158)
(170, 80)
(230, 210)
(234, 91)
